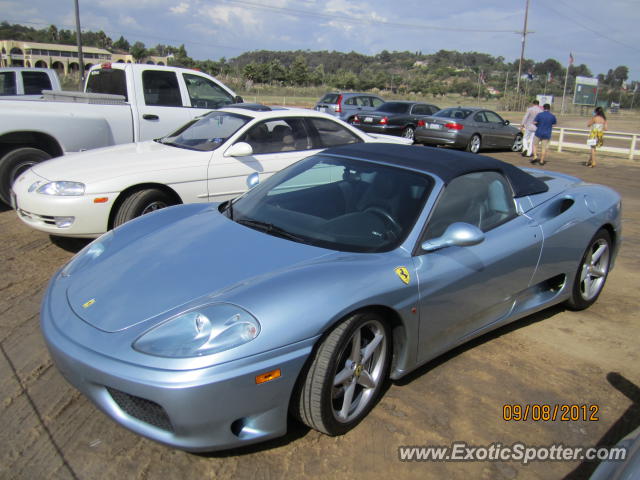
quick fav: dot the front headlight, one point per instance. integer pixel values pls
(59, 188)
(88, 254)
(201, 331)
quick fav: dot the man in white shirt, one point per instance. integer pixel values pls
(529, 128)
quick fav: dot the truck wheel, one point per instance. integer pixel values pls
(15, 163)
(141, 203)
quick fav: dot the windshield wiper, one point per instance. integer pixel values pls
(164, 141)
(271, 229)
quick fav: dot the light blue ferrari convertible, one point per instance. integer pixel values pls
(205, 326)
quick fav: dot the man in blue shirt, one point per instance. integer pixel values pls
(544, 123)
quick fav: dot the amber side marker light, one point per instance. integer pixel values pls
(267, 377)
(101, 200)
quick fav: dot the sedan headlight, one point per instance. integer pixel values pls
(201, 331)
(88, 254)
(61, 188)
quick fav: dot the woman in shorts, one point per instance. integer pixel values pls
(598, 125)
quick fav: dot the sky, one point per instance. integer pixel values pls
(603, 34)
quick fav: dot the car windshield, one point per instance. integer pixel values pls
(336, 203)
(206, 133)
(394, 107)
(453, 113)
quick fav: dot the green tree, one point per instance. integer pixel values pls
(299, 73)
(121, 44)
(138, 51)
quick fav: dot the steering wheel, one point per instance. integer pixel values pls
(387, 217)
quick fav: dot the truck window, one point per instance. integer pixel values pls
(206, 94)
(35, 82)
(107, 80)
(161, 88)
(7, 83)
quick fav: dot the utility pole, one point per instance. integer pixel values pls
(524, 38)
(79, 41)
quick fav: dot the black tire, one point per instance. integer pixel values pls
(409, 132)
(325, 407)
(475, 143)
(517, 144)
(13, 164)
(592, 272)
(140, 203)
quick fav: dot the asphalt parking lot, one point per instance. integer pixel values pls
(556, 357)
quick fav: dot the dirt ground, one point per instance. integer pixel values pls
(555, 357)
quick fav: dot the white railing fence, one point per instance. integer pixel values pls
(620, 143)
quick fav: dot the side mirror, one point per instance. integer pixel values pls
(507, 122)
(253, 180)
(238, 99)
(457, 234)
(240, 149)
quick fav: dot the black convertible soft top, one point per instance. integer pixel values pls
(443, 163)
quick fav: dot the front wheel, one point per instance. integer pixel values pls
(13, 164)
(346, 375)
(408, 132)
(141, 203)
(517, 144)
(592, 272)
(474, 144)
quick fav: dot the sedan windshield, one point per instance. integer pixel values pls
(337, 203)
(206, 133)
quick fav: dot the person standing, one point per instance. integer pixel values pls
(598, 125)
(544, 122)
(528, 128)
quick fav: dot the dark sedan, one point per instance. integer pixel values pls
(468, 127)
(395, 118)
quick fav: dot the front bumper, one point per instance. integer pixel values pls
(80, 216)
(202, 409)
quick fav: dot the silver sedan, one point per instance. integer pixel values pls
(470, 128)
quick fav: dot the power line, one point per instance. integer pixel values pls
(592, 30)
(351, 19)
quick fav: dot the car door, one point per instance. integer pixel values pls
(484, 128)
(276, 143)
(502, 133)
(161, 107)
(463, 290)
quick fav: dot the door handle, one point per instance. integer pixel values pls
(150, 116)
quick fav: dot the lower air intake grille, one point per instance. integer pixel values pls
(142, 409)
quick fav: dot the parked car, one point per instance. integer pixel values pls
(27, 82)
(122, 103)
(468, 127)
(395, 118)
(203, 326)
(207, 160)
(345, 105)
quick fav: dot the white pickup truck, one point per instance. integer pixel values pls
(27, 82)
(121, 103)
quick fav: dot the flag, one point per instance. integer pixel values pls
(549, 76)
(482, 78)
(570, 58)
(530, 74)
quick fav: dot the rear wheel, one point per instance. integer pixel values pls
(13, 164)
(141, 203)
(346, 375)
(592, 272)
(408, 132)
(517, 143)
(475, 142)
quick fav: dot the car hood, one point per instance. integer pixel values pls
(118, 161)
(181, 262)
